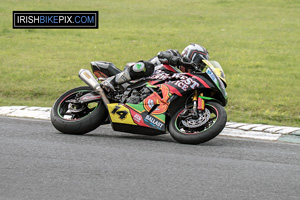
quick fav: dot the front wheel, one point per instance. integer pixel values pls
(70, 117)
(185, 128)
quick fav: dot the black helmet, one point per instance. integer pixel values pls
(195, 53)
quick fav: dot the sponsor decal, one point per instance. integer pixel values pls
(87, 75)
(137, 118)
(154, 122)
(212, 76)
(160, 74)
(183, 81)
(185, 84)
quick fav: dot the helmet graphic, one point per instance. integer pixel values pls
(195, 53)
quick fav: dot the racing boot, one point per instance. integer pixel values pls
(133, 72)
(120, 78)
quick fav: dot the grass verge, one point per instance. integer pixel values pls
(256, 42)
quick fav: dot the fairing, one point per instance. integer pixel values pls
(149, 116)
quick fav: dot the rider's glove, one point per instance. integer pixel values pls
(170, 57)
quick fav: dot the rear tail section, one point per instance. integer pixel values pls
(103, 69)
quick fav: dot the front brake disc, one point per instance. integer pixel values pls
(195, 123)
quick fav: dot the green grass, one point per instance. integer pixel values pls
(256, 42)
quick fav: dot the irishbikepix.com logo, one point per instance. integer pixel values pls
(55, 19)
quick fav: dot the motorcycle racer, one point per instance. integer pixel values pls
(193, 53)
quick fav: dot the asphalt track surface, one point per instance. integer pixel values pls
(37, 162)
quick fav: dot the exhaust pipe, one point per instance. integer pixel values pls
(87, 77)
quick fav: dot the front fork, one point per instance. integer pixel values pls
(198, 104)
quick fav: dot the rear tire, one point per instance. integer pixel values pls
(77, 123)
(204, 133)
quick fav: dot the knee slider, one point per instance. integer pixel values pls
(141, 69)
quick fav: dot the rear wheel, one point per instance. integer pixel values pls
(185, 128)
(70, 117)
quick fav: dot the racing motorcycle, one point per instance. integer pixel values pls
(189, 106)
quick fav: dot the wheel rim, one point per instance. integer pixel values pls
(65, 113)
(191, 131)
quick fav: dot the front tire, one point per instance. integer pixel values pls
(83, 120)
(203, 133)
